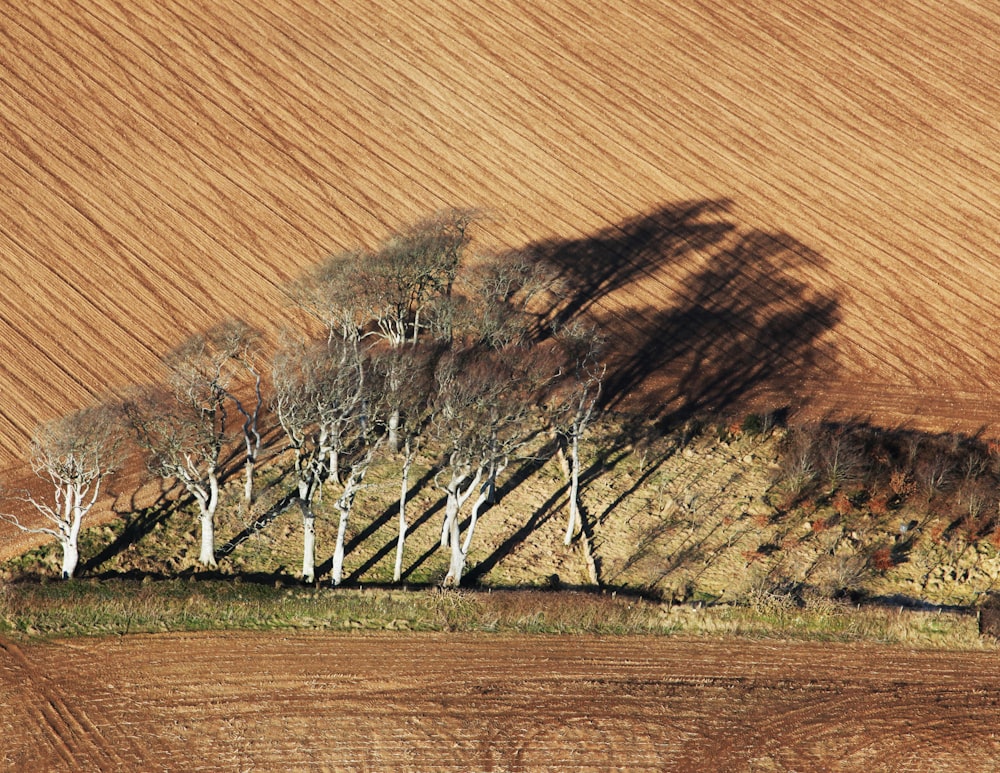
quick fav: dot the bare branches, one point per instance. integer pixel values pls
(74, 455)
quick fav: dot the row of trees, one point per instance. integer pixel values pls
(416, 345)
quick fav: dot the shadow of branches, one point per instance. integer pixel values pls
(699, 312)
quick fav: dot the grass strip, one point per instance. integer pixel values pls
(121, 607)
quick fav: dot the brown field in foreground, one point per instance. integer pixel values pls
(461, 702)
(775, 198)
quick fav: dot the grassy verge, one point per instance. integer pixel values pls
(90, 607)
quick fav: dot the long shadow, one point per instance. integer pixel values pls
(639, 482)
(378, 523)
(259, 523)
(698, 311)
(504, 549)
(389, 513)
(405, 574)
(139, 525)
(327, 566)
(617, 255)
(525, 471)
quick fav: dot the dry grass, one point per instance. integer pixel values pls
(90, 608)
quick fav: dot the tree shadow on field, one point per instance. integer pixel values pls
(699, 312)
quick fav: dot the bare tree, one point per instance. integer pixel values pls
(183, 441)
(503, 292)
(240, 343)
(483, 398)
(74, 455)
(409, 279)
(575, 398)
(412, 269)
(407, 377)
(185, 428)
(319, 399)
(332, 292)
(364, 442)
(297, 390)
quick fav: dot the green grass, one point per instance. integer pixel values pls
(119, 607)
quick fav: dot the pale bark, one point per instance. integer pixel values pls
(450, 509)
(71, 556)
(487, 493)
(574, 489)
(308, 543)
(70, 545)
(456, 568)
(404, 486)
(457, 497)
(252, 438)
(454, 575)
(248, 470)
(393, 429)
(338, 551)
(208, 502)
(207, 555)
(308, 482)
(345, 503)
(72, 455)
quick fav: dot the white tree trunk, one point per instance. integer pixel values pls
(253, 440)
(393, 428)
(208, 502)
(70, 556)
(248, 483)
(458, 556)
(458, 552)
(450, 515)
(308, 542)
(344, 506)
(454, 576)
(404, 486)
(207, 555)
(574, 490)
(338, 551)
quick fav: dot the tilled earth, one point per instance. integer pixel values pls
(785, 196)
(307, 701)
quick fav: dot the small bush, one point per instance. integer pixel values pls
(882, 559)
(878, 505)
(842, 503)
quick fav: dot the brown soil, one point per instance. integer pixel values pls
(451, 702)
(814, 184)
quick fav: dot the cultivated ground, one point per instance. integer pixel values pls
(768, 196)
(459, 702)
(767, 203)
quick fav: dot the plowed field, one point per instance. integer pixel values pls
(789, 198)
(440, 702)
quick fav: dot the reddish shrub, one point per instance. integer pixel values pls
(882, 559)
(879, 505)
(901, 484)
(841, 503)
